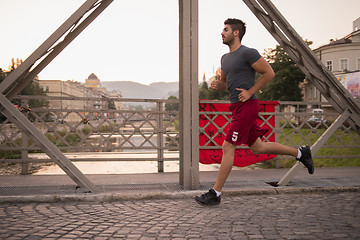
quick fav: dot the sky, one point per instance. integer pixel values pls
(138, 40)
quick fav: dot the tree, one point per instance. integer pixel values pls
(111, 104)
(218, 95)
(172, 106)
(15, 63)
(203, 90)
(285, 85)
(208, 93)
(31, 89)
(2, 75)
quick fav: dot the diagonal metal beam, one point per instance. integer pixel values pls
(23, 75)
(23, 123)
(315, 147)
(312, 67)
(306, 60)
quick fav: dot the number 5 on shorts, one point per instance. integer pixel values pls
(234, 136)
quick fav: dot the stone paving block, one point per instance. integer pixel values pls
(287, 216)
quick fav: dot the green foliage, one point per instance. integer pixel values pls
(52, 137)
(203, 90)
(172, 106)
(207, 93)
(111, 104)
(285, 85)
(174, 124)
(320, 162)
(13, 154)
(10, 154)
(2, 74)
(32, 89)
(2, 77)
(105, 129)
(171, 144)
(86, 131)
(73, 139)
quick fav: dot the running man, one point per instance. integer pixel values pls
(237, 74)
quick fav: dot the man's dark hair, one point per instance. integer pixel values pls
(236, 24)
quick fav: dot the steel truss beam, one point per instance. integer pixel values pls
(312, 67)
(27, 71)
(314, 148)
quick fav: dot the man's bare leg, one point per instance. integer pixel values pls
(227, 163)
(302, 154)
(260, 147)
(213, 197)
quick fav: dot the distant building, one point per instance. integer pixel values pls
(114, 94)
(94, 82)
(58, 88)
(342, 57)
(90, 89)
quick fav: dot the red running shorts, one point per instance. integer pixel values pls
(244, 128)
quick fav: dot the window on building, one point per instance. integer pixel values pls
(329, 65)
(307, 94)
(344, 64)
(315, 92)
(358, 63)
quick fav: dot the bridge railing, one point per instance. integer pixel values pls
(117, 125)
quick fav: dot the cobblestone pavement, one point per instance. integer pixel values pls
(322, 215)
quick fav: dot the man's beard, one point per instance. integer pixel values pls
(228, 41)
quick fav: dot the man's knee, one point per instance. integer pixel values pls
(256, 150)
(257, 147)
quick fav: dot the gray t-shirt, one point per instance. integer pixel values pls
(239, 73)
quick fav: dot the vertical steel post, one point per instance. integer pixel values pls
(277, 131)
(24, 144)
(188, 92)
(24, 154)
(160, 137)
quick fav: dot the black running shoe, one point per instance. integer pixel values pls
(306, 158)
(208, 198)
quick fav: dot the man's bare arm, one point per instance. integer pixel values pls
(267, 74)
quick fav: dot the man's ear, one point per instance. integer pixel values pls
(236, 33)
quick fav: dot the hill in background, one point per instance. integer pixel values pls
(157, 90)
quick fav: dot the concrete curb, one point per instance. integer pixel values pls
(110, 197)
